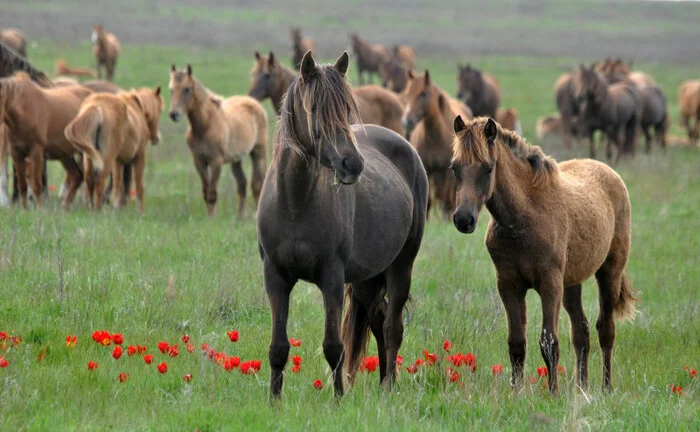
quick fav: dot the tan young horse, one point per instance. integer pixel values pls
(220, 132)
(112, 130)
(64, 69)
(14, 39)
(106, 49)
(300, 46)
(689, 107)
(552, 227)
(35, 119)
(428, 117)
(508, 118)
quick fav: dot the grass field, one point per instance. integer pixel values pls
(174, 271)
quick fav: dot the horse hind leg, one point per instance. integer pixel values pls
(74, 177)
(580, 332)
(20, 165)
(241, 186)
(331, 285)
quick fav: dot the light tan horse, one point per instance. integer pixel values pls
(14, 39)
(406, 55)
(379, 106)
(552, 227)
(64, 69)
(35, 119)
(689, 107)
(106, 49)
(220, 132)
(508, 118)
(428, 116)
(112, 130)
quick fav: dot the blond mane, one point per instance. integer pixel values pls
(470, 147)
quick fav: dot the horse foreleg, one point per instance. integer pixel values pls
(214, 174)
(551, 293)
(4, 182)
(241, 185)
(20, 165)
(117, 185)
(580, 333)
(203, 170)
(331, 286)
(278, 290)
(513, 298)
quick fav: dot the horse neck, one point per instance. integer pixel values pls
(509, 204)
(199, 115)
(298, 179)
(285, 79)
(436, 121)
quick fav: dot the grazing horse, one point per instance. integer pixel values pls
(221, 131)
(428, 118)
(14, 39)
(34, 119)
(369, 57)
(112, 130)
(689, 107)
(552, 227)
(299, 46)
(479, 91)
(614, 109)
(320, 222)
(270, 79)
(394, 75)
(64, 69)
(508, 118)
(106, 48)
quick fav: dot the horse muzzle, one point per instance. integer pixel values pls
(465, 223)
(175, 116)
(351, 168)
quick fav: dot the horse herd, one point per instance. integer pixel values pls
(344, 201)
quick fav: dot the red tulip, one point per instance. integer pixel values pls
(453, 375)
(185, 338)
(117, 338)
(3, 336)
(256, 365)
(123, 377)
(233, 335)
(369, 364)
(497, 369)
(187, 377)
(296, 368)
(3, 362)
(447, 345)
(246, 367)
(676, 389)
(140, 349)
(692, 372)
(71, 341)
(318, 384)
(412, 369)
(102, 337)
(296, 360)
(117, 352)
(205, 347)
(429, 357)
(190, 348)
(92, 365)
(295, 342)
(542, 372)
(172, 351)
(148, 358)
(231, 363)
(163, 347)
(163, 367)
(131, 350)
(399, 360)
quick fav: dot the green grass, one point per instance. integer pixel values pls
(173, 271)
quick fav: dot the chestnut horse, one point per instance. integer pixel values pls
(368, 56)
(221, 131)
(319, 223)
(552, 227)
(428, 118)
(270, 79)
(689, 107)
(112, 130)
(508, 118)
(64, 69)
(300, 45)
(34, 119)
(14, 39)
(106, 48)
(479, 91)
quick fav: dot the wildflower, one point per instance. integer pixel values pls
(187, 377)
(295, 342)
(560, 370)
(163, 367)
(246, 367)
(205, 347)
(497, 369)
(102, 337)
(220, 358)
(41, 354)
(92, 365)
(233, 335)
(369, 364)
(141, 349)
(117, 352)
(131, 350)
(163, 347)
(123, 377)
(542, 372)
(117, 339)
(231, 363)
(453, 375)
(447, 345)
(318, 384)
(256, 365)
(692, 372)
(185, 338)
(296, 360)
(412, 369)
(71, 341)
(399, 360)
(3, 336)
(3, 362)
(15, 340)
(419, 362)
(148, 358)
(190, 348)
(172, 351)
(296, 368)
(676, 389)
(429, 357)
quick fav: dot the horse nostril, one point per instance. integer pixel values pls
(174, 116)
(352, 164)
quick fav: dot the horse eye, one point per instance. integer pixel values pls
(423, 95)
(186, 90)
(489, 169)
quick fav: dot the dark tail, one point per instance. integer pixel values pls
(625, 307)
(355, 333)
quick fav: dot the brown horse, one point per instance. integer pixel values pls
(319, 223)
(112, 130)
(394, 75)
(221, 131)
(614, 109)
(64, 69)
(270, 79)
(552, 227)
(300, 45)
(479, 91)
(568, 108)
(106, 49)
(689, 107)
(405, 54)
(368, 56)
(34, 119)
(508, 118)
(428, 118)
(14, 39)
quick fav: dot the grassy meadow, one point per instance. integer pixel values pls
(175, 271)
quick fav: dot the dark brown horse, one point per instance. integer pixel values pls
(552, 227)
(394, 75)
(270, 79)
(613, 109)
(319, 221)
(479, 91)
(369, 57)
(300, 45)
(568, 107)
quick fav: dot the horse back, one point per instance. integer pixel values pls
(246, 121)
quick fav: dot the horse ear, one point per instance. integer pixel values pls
(427, 77)
(490, 130)
(257, 55)
(308, 66)
(459, 124)
(157, 92)
(342, 63)
(173, 68)
(189, 69)
(271, 59)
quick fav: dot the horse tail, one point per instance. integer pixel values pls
(84, 133)
(625, 307)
